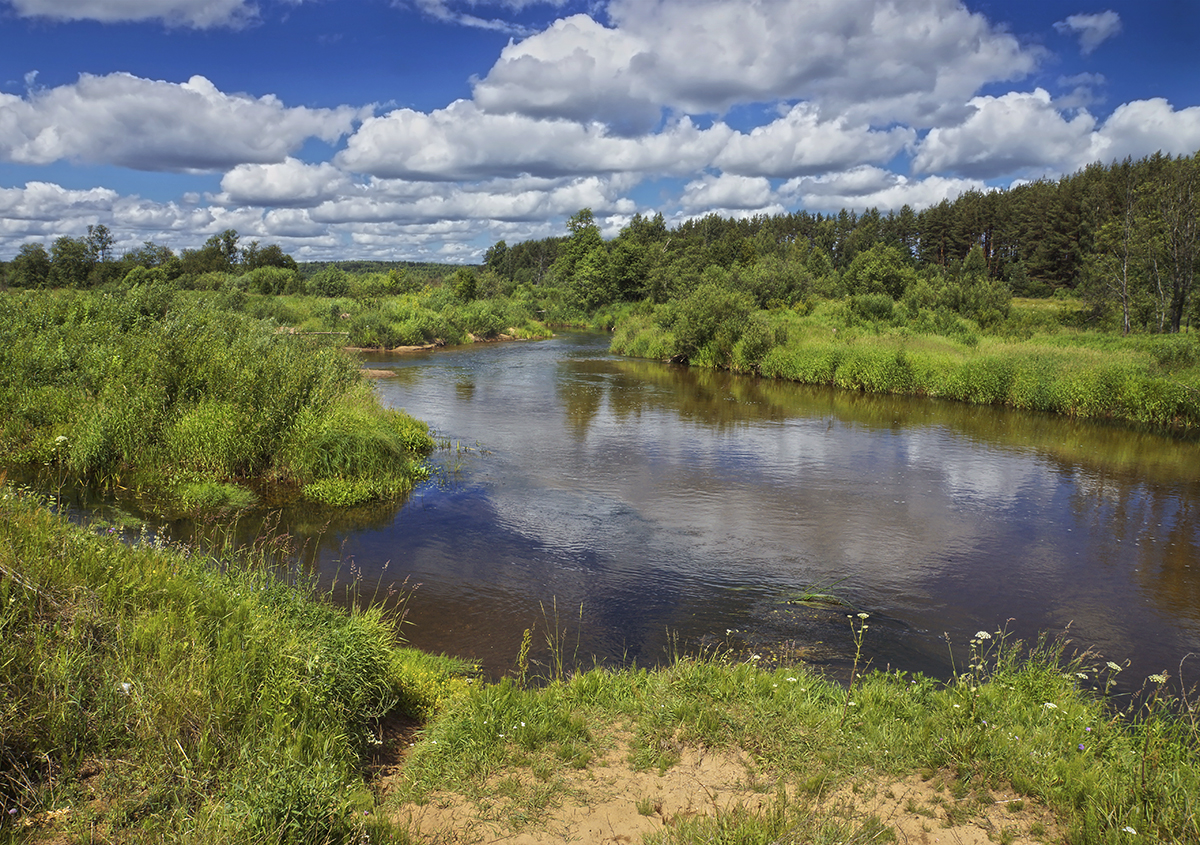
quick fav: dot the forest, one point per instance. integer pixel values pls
(1123, 237)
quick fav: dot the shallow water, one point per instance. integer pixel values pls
(638, 509)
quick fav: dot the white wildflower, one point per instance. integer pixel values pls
(1050, 705)
(982, 635)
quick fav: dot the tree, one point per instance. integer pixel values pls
(1177, 202)
(496, 259)
(30, 268)
(99, 243)
(71, 262)
(220, 254)
(582, 265)
(273, 255)
(881, 269)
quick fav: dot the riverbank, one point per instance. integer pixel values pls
(152, 695)
(1038, 365)
(185, 407)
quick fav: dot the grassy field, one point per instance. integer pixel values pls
(1032, 361)
(155, 693)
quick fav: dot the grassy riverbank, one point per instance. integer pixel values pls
(1030, 362)
(153, 693)
(150, 695)
(175, 400)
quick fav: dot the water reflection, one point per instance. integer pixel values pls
(665, 501)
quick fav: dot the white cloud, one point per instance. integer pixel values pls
(454, 202)
(874, 60)
(1028, 133)
(288, 183)
(727, 191)
(154, 125)
(1143, 127)
(1093, 30)
(800, 142)
(443, 11)
(462, 142)
(201, 14)
(872, 187)
(1013, 133)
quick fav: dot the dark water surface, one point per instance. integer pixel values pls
(661, 508)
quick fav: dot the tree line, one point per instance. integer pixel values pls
(1123, 236)
(89, 261)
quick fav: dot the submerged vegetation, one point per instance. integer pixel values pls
(150, 696)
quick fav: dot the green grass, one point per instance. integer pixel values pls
(1153, 380)
(163, 695)
(172, 401)
(1020, 718)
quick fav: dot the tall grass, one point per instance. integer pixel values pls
(1151, 380)
(159, 391)
(159, 695)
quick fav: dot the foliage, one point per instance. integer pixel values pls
(167, 696)
(153, 391)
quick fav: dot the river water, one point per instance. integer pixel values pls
(631, 510)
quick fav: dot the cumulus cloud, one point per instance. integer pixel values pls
(288, 183)
(1142, 127)
(872, 187)
(154, 125)
(463, 142)
(727, 192)
(47, 201)
(1012, 133)
(874, 60)
(800, 142)
(1092, 30)
(1028, 133)
(201, 14)
(501, 203)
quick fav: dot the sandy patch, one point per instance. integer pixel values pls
(609, 802)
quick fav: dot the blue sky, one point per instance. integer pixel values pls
(429, 129)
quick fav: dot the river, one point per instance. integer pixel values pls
(630, 510)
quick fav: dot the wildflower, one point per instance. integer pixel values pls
(1160, 678)
(982, 635)
(864, 616)
(1050, 705)
(1114, 667)
(1081, 746)
(1081, 675)
(791, 680)
(1088, 729)
(1129, 829)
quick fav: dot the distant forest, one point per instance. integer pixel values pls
(1123, 236)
